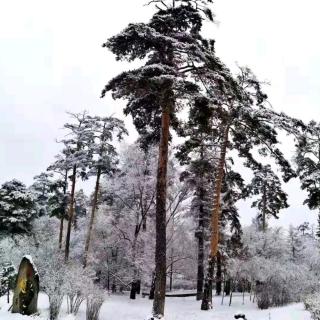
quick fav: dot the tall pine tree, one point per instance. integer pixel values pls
(157, 90)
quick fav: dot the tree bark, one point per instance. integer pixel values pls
(218, 275)
(71, 212)
(171, 271)
(138, 286)
(152, 288)
(133, 290)
(161, 195)
(227, 288)
(64, 208)
(200, 236)
(232, 285)
(206, 303)
(61, 232)
(134, 283)
(264, 197)
(215, 218)
(92, 218)
(200, 273)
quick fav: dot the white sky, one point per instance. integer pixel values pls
(51, 61)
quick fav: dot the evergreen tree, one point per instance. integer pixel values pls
(271, 198)
(198, 152)
(41, 189)
(308, 166)
(81, 201)
(75, 157)
(17, 207)
(58, 203)
(7, 279)
(104, 160)
(157, 90)
(244, 124)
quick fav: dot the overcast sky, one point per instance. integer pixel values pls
(51, 61)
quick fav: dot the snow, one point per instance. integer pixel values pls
(43, 307)
(29, 258)
(121, 307)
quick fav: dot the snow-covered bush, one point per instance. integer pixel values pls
(95, 298)
(281, 270)
(312, 304)
(77, 285)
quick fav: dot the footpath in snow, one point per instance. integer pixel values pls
(119, 307)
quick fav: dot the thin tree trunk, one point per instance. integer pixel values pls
(61, 232)
(215, 217)
(161, 195)
(144, 224)
(71, 212)
(171, 270)
(134, 285)
(231, 291)
(228, 287)
(64, 208)
(243, 291)
(264, 224)
(92, 218)
(224, 287)
(108, 280)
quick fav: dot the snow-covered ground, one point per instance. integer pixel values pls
(122, 308)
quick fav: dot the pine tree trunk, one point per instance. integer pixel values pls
(75, 218)
(161, 195)
(134, 286)
(200, 236)
(200, 274)
(61, 232)
(216, 211)
(65, 187)
(215, 219)
(218, 275)
(92, 218)
(71, 212)
(171, 270)
(264, 224)
(206, 303)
